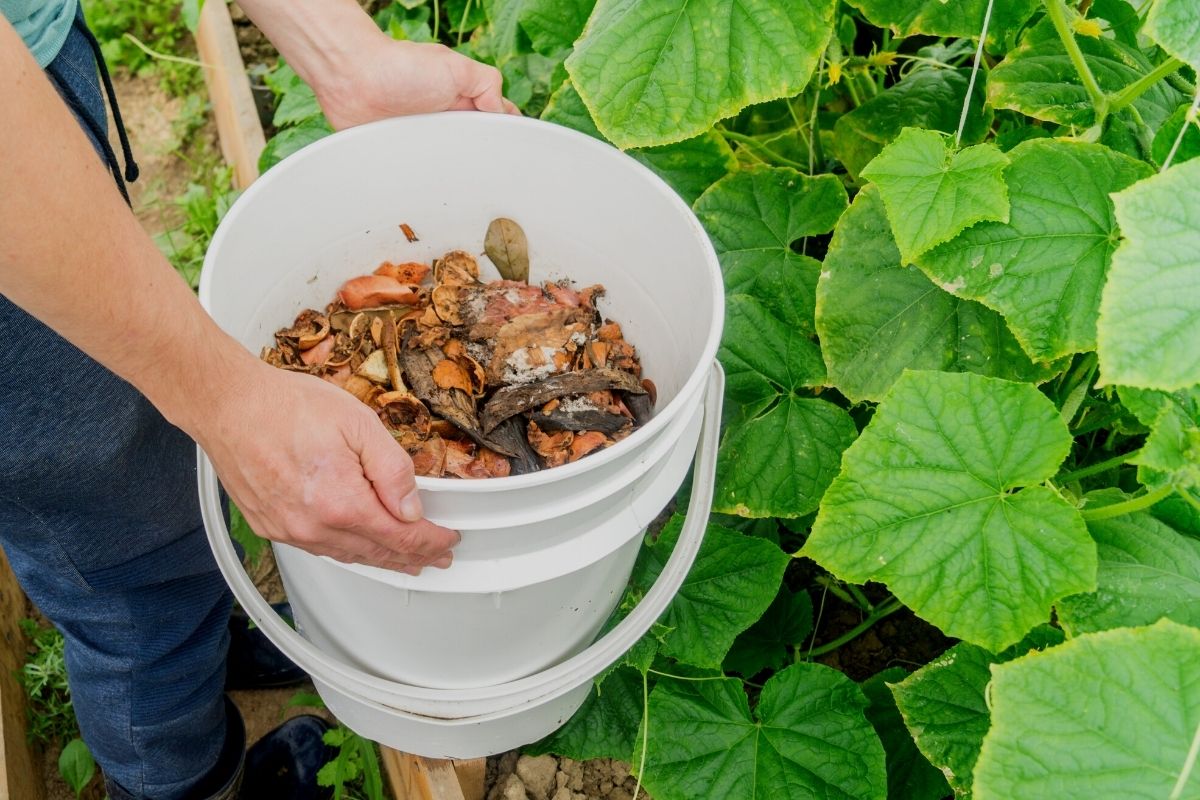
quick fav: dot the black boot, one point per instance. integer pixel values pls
(283, 765)
(255, 663)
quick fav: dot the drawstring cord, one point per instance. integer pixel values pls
(101, 136)
(131, 167)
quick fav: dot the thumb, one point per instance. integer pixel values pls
(483, 87)
(390, 470)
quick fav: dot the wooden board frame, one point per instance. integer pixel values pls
(20, 760)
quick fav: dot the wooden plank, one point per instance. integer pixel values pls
(472, 777)
(20, 764)
(418, 778)
(241, 133)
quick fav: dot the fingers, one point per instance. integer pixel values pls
(510, 107)
(390, 470)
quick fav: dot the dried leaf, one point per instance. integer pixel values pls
(507, 247)
(408, 232)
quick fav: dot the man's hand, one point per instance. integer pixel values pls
(360, 74)
(399, 78)
(311, 466)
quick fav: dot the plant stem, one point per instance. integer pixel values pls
(1129, 506)
(833, 587)
(1189, 763)
(860, 599)
(1057, 11)
(1136, 89)
(645, 733)
(1188, 119)
(191, 62)
(742, 138)
(1094, 469)
(881, 611)
(962, 118)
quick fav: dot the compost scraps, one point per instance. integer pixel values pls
(473, 379)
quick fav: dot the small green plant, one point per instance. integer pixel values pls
(354, 772)
(44, 676)
(147, 36)
(76, 766)
(50, 715)
(204, 203)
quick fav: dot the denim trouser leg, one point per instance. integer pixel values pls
(100, 518)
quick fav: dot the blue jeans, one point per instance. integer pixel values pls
(100, 519)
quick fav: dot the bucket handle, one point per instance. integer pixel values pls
(551, 682)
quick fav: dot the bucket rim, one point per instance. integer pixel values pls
(620, 159)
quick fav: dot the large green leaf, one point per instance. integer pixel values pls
(1164, 140)
(942, 18)
(1175, 26)
(910, 775)
(690, 166)
(554, 25)
(1172, 451)
(779, 462)
(875, 318)
(1147, 571)
(767, 643)
(944, 703)
(925, 98)
(1105, 715)
(781, 450)
(927, 502)
(605, 726)
(754, 217)
(1044, 269)
(646, 68)
(933, 192)
(732, 583)
(1150, 314)
(1039, 79)
(807, 738)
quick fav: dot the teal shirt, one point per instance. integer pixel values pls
(43, 24)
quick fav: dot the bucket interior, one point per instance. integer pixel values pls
(591, 213)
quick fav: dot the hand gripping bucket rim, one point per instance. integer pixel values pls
(455, 706)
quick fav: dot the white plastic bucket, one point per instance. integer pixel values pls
(544, 557)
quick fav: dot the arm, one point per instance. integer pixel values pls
(306, 462)
(360, 74)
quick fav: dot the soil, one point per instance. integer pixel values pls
(516, 777)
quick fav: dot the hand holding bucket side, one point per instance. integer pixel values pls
(310, 466)
(361, 74)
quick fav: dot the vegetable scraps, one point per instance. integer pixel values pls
(474, 379)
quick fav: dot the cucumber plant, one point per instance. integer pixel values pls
(960, 246)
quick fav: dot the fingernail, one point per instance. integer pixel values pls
(443, 562)
(414, 571)
(410, 507)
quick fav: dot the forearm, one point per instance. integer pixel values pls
(73, 255)
(323, 40)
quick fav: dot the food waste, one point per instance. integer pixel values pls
(474, 379)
